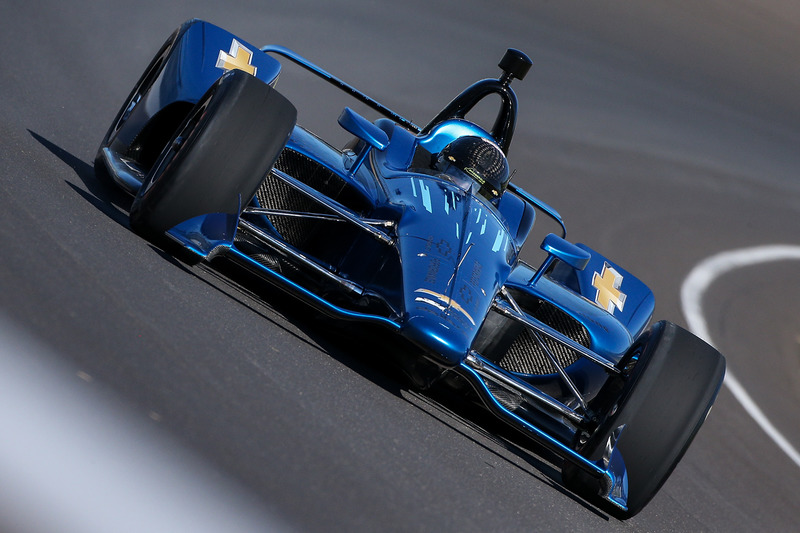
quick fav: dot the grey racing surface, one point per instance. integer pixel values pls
(663, 132)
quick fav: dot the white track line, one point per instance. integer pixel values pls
(695, 285)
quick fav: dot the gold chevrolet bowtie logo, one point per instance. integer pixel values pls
(608, 294)
(238, 57)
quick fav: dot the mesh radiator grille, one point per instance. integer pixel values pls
(274, 193)
(526, 356)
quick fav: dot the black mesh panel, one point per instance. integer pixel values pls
(525, 356)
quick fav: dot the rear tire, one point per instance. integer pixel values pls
(663, 403)
(217, 157)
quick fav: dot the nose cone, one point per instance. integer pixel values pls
(443, 342)
(455, 253)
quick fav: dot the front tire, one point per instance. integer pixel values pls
(663, 403)
(217, 157)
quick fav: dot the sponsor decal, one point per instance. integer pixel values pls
(239, 57)
(608, 283)
(441, 302)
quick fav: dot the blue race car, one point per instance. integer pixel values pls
(417, 230)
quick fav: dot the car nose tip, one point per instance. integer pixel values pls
(441, 341)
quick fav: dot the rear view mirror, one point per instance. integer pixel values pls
(563, 250)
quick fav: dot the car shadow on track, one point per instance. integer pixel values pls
(481, 427)
(316, 330)
(354, 346)
(102, 194)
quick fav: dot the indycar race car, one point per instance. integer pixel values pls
(417, 230)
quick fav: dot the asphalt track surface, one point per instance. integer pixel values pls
(663, 133)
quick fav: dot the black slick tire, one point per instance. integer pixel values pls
(663, 403)
(218, 156)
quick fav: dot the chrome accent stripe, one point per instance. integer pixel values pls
(487, 370)
(352, 91)
(543, 345)
(507, 310)
(316, 216)
(612, 475)
(295, 214)
(314, 300)
(288, 250)
(564, 376)
(543, 207)
(334, 206)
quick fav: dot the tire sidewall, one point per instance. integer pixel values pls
(663, 404)
(229, 141)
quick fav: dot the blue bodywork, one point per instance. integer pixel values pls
(397, 244)
(176, 79)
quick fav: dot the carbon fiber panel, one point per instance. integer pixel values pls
(275, 193)
(525, 356)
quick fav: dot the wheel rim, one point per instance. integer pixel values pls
(175, 145)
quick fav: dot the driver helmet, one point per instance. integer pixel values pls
(480, 159)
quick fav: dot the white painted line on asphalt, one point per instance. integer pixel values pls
(695, 285)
